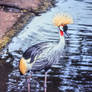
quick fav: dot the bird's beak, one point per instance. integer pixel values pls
(66, 34)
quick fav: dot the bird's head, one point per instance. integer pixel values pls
(61, 21)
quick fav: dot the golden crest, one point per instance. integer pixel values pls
(62, 19)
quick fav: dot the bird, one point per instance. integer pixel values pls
(44, 54)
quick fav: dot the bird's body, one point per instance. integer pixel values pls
(44, 55)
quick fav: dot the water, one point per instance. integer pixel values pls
(74, 73)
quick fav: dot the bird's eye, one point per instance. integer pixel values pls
(65, 28)
(61, 28)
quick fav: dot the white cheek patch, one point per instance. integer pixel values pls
(61, 28)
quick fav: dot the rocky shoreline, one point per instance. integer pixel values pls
(13, 16)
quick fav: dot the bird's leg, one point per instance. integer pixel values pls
(45, 82)
(28, 81)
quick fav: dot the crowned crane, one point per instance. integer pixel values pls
(43, 55)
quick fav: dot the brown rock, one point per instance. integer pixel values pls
(25, 4)
(14, 14)
(7, 20)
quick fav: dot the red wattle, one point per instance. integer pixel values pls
(61, 33)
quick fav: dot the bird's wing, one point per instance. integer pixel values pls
(41, 60)
(38, 52)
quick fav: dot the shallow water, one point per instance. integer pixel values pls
(74, 72)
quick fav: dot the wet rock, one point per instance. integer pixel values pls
(7, 20)
(25, 4)
(5, 69)
(14, 14)
(12, 26)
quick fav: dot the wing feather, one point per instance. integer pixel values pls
(38, 55)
